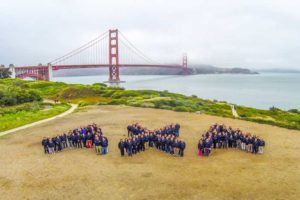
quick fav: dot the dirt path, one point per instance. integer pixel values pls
(73, 107)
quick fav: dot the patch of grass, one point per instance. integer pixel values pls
(90, 100)
(28, 114)
(33, 106)
(277, 117)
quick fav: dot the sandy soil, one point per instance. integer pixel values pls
(26, 173)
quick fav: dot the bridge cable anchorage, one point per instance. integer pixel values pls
(85, 46)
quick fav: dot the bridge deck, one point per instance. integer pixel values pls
(56, 67)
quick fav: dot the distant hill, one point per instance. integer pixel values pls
(280, 70)
(196, 69)
(209, 69)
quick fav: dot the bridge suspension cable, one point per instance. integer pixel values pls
(111, 49)
(104, 50)
(128, 47)
(96, 43)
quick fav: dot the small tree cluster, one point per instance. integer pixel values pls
(4, 72)
(14, 96)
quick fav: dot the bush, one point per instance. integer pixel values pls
(147, 105)
(118, 102)
(164, 107)
(182, 109)
(14, 96)
(126, 93)
(76, 92)
(32, 106)
(294, 111)
(274, 109)
(102, 85)
(81, 104)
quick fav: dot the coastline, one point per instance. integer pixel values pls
(257, 91)
(101, 94)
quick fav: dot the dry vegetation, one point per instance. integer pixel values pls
(26, 173)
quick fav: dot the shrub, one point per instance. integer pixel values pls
(274, 109)
(182, 109)
(294, 111)
(76, 92)
(102, 85)
(163, 107)
(117, 101)
(147, 105)
(126, 93)
(14, 96)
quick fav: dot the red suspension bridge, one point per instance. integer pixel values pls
(110, 50)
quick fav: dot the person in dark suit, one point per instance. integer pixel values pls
(104, 145)
(97, 143)
(200, 148)
(121, 146)
(45, 142)
(182, 146)
(129, 147)
(51, 146)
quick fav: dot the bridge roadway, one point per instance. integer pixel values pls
(120, 65)
(57, 67)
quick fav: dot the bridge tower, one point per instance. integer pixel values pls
(12, 69)
(50, 72)
(185, 63)
(114, 56)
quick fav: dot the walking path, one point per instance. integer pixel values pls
(234, 112)
(73, 107)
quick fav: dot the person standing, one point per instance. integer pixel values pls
(51, 146)
(181, 148)
(121, 146)
(200, 148)
(45, 142)
(261, 146)
(58, 143)
(129, 147)
(176, 129)
(88, 140)
(104, 146)
(97, 143)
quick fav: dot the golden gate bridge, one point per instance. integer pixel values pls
(110, 50)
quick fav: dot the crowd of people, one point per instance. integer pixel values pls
(219, 136)
(90, 136)
(165, 139)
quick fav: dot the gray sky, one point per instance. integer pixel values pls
(227, 33)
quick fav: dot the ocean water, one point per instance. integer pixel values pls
(263, 90)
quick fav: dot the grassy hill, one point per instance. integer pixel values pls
(100, 94)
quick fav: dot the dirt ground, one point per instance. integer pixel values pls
(26, 173)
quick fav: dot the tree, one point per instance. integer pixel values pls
(4, 72)
(274, 109)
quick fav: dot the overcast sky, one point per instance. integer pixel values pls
(226, 33)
